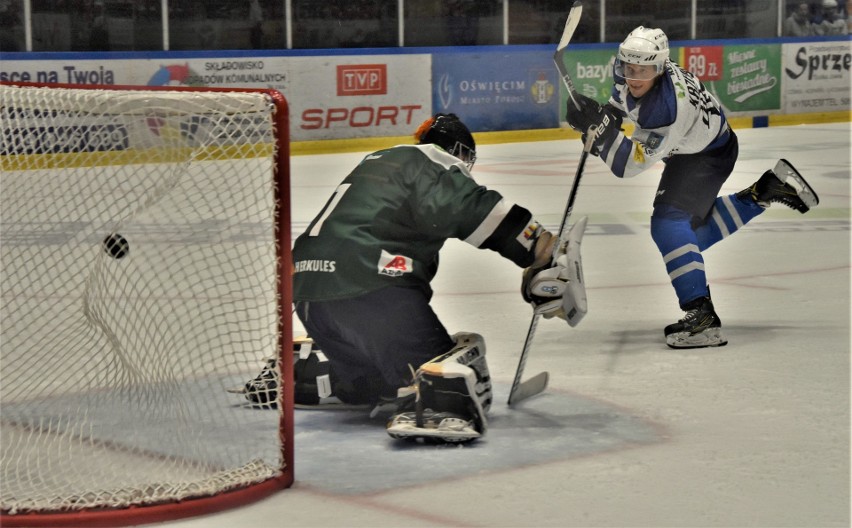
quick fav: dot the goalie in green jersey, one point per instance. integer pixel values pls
(361, 283)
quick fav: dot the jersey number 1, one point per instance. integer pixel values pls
(332, 203)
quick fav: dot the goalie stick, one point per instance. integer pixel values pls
(536, 384)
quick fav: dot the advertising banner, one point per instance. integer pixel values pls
(497, 90)
(591, 72)
(491, 88)
(330, 97)
(816, 76)
(358, 95)
(71, 71)
(745, 78)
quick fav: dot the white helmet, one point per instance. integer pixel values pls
(643, 47)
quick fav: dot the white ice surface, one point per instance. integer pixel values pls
(756, 433)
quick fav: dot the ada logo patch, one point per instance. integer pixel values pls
(394, 265)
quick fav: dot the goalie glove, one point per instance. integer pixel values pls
(559, 290)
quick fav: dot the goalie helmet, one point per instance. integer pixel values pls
(448, 132)
(643, 47)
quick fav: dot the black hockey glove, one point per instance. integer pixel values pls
(608, 127)
(590, 113)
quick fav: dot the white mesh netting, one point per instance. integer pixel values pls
(115, 361)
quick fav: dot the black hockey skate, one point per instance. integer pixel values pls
(782, 185)
(262, 391)
(699, 328)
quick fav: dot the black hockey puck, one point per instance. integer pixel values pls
(116, 246)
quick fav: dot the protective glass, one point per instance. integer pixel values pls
(637, 72)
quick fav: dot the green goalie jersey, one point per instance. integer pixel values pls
(386, 222)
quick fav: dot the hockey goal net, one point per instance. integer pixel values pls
(145, 244)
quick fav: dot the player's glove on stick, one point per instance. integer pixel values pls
(606, 118)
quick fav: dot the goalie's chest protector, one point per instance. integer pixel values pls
(386, 222)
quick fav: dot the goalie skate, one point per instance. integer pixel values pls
(262, 391)
(435, 427)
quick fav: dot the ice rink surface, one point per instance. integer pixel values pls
(629, 432)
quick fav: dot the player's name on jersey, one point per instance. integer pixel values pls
(326, 266)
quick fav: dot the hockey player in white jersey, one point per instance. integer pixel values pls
(679, 122)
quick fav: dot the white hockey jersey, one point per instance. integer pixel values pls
(677, 116)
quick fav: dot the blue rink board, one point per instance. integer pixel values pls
(346, 452)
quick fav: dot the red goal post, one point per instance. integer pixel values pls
(144, 271)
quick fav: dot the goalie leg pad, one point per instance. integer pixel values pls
(453, 396)
(313, 387)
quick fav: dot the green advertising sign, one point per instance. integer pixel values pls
(745, 78)
(591, 71)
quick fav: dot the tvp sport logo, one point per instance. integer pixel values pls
(362, 79)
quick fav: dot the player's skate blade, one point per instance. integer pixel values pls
(789, 175)
(710, 337)
(436, 428)
(699, 328)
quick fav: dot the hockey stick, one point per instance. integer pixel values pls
(536, 384)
